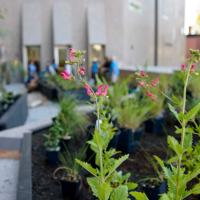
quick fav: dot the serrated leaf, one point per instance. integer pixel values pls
(195, 190)
(188, 141)
(139, 195)
(193, 112)
(120, 193)
(193, 174)
(164, 197)
(173, 110)
(174, 145)
(117, 163)
(101, 190)
(87, 167)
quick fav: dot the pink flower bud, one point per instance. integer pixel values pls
(65, 75)
(141, 84)
(192, 68)
(151, 96)
(142, 73)
(88, 90)
(183, 67)
(71, 54)
(155, 82)
(82, 71)
(102, 90)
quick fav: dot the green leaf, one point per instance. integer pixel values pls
(120, 193)
(164, 197)
(101, 190)
(117, 163)
(139, 195)
(88, 167)
(132, 186)
(174, 145)
(172, 109)
(188, 141)
(193, 112)
(193, 174)
(195, 190)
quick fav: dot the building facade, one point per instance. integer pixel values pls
(39, 27)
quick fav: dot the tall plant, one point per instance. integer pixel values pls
(106, 182)
(176, 173)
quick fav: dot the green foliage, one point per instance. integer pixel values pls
(117, 92)
(52, 139)
(133, 111)
(107, 182)
(178, 172)
(71, 121)
(68, 164)
(6, 97)
(58, 81)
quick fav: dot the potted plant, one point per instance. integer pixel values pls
(52, 143)
(156, 122)
(68, 174)
(72, 122)
(153, 184)
(131, 113)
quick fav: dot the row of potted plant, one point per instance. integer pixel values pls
(127, 113)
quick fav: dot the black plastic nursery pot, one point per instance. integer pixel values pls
(129, 141)
(155, 125)
(154, 192)
(64, 143)
(71, 189)
(52, 157)
(159, 123)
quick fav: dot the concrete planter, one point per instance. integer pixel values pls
(16, 115)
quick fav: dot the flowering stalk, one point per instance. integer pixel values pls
(76, 57)
(104, 175)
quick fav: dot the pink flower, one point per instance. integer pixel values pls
(71, 54)
(142, 73)
(192, 68)
(142, 84)
(102, 90)
(155, 82)
(151, 96)
(183, 67)
(65, 75)
(82, 71)
(88, 89)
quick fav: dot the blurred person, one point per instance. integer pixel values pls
(54, 65)
(106, 68)
(32, 81)
(51, 69)
(114, 70)
(94, 69)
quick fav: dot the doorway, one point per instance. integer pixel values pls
(60, 54)
(97, 52)
(32, 53)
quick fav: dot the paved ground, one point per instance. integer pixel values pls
(41, 112)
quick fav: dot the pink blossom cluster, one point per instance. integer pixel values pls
(102, 89)
(192, 68)
(147, 84)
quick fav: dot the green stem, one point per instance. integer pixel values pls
(100, 149)
(183, 132)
